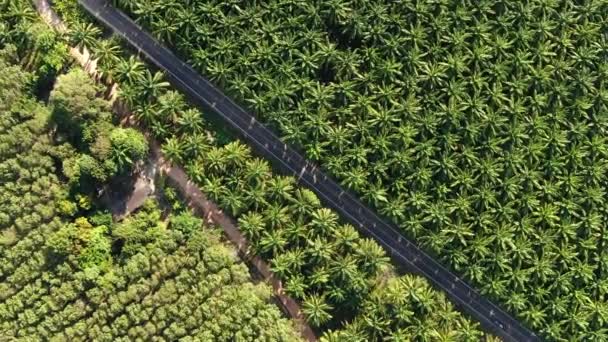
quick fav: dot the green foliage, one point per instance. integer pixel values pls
(315, 255)
(407, 309)
(479, 127)
(67, 208)
(70, 280)
(140, 229)
(316, 310)
(89, 244)
(13, 79)
(83, 119)
(77, 105)
(127, 146)
(186, 223)
(38, 48)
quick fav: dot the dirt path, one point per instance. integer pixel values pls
(83, 57)
(189, 190)
(214, 215)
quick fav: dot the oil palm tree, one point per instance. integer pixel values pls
(83, 35)
(129, 71)
(172, 149)
(252, 224)
(107, 52)
(152, 85)
(317, 310)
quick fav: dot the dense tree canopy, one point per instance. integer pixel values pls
(325, 264)
(479, 127)
(38, 48)
(70, 273)
(84, 119)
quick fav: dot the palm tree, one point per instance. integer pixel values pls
(394, 209)
(281, 188)
(129, 71)
(236, 154)
(131, 97)
(18, 11)
(107, 52)
(146, 112)
(190, 122)
(196, 145)
(317, 310)
(252, 225)
(233, 201)
(296, 287)
(297, 232)
(324, 221)
(347, 65)
(287, 264)
(216, 160)
(257, 170)
(152, 85)
(371, 256)
(214, 187)
(172, 149)
(346, 238)
(376, 194)
(344, 268)
(319, 250)
(83, 35)
(165, 29)
(172, 104)
(256, 196)
(272, 243)
(277, 215)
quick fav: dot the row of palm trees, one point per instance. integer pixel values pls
(476, 126)
(403, 309)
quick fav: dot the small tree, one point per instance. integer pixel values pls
(127, 147)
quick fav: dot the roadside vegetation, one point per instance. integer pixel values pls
(323, 263)
(479, 127)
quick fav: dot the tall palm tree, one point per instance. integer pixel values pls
(190, 122)
(83, 35)
(146, 112)
(236, 153)
(324, 221)
(281, 188)
(252, 224)
(317, 310)
(272, 243)
(129, 71)
(152, 85)
(277, 216)
(257, 170)
(172, 149)
(108, 52)
(371, 256)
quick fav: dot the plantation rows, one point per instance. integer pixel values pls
(339, 277)
(479, 127)
(168, 289)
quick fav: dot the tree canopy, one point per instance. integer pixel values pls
(70, 272)
(478, 127)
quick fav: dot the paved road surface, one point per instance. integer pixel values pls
(267, 144)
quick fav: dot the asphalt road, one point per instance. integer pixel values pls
(268, 145)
